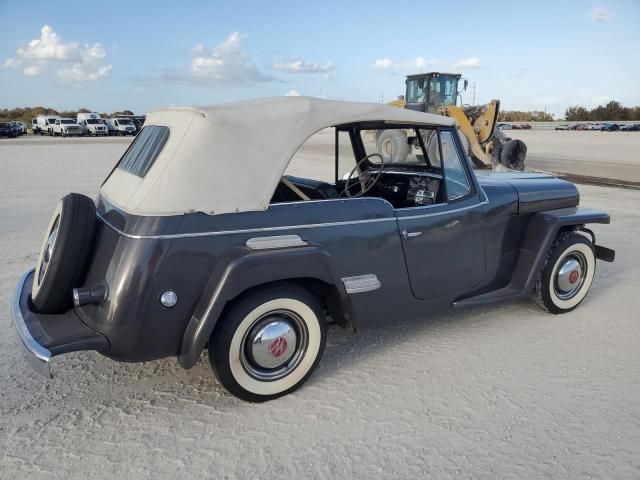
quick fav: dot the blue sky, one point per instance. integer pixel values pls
(142, 55)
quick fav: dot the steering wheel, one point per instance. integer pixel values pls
(367, 180)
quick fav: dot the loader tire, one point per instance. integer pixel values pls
(513, 154)
(393, 145)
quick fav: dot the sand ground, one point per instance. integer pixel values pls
(504, 392)
(613, 155)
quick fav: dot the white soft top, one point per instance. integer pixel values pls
(231, 157)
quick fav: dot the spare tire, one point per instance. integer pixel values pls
(393, 145)
(63, 254)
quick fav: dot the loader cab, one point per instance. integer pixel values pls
(426, 92)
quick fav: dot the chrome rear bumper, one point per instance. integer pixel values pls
(36, 355)
(44, 336)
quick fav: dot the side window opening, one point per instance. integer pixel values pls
(421, 167)
(311, 173)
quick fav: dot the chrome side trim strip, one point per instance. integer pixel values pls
(248, 230)
(284, 227)
(278, 241)
(361, 283)
(36, 355)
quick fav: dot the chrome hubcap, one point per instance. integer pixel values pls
(570, 275)
(48, 250)
(274, 345)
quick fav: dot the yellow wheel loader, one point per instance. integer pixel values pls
(438, 93)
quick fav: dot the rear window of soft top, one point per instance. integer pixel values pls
(140, 156)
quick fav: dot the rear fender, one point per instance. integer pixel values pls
(240, 269)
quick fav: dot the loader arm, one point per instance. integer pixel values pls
(480, 134)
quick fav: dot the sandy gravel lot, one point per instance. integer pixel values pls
(501, 392)
(613, 155)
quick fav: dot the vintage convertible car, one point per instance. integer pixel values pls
(199, 237)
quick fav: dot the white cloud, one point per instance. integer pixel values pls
(301, 66)
(383, 63)
(601, 100)
(226, 64)
(292, 93)
(471, 62)
(600, 14)
(82, 60)
(32, 71)
(419, 63)
(82, 72)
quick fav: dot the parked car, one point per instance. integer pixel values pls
(19, 127)
(524, 126)
(184, 249)
(562, 127)
(505, 126)
(7, 130)
(92, 124)
(629, 127)
(609, 127)
(66, 127)
(121, 126)
(42, 124)
(593, 126)
(580, 126)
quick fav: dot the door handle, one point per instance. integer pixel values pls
(406, 235)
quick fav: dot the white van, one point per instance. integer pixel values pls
(92, 124)
(66, 127)
(121, 126)
(43, 123)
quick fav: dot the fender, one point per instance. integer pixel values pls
(241, 268)
(542, 229)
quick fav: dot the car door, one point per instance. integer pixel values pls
(444, 243)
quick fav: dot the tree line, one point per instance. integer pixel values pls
(517, 116)
(27, 113)
(611, 111)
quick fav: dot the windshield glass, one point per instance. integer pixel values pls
(67, 121)
(124, 121)
(415, 92)
(443, 90)
(52, 120)
(93, 121)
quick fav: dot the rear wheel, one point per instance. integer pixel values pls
(567, 274)
(269, 342)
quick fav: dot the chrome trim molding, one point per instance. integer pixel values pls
(248, 230)
(361, 283)
(278, 241)
(290, 227)
(36, 355)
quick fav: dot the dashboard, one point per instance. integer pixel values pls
(409, 189)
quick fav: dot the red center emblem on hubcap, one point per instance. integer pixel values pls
(277, 346)
(573, 276)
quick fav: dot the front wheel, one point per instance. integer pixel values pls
(567, 274)
(269, 342)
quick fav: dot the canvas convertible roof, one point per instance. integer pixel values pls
(230, 158)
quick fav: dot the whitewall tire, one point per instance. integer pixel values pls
(268, 342)
(567, 275)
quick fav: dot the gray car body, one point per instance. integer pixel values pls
(481, 249)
